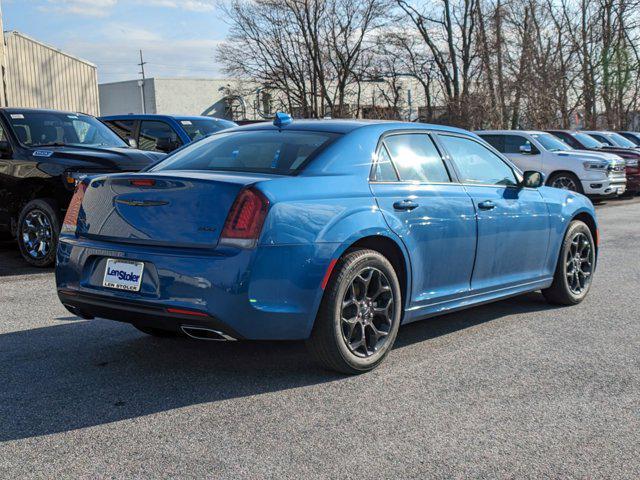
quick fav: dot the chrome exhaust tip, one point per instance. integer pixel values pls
(204, 333)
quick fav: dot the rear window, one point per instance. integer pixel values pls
(260, 151)
(200, 128)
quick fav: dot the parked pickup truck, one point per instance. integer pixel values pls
(43, 153)
(583, 141)
(595, 174)
(163, 133)
(633, 137)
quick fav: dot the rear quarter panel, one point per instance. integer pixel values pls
(314, 217)
(330, 201)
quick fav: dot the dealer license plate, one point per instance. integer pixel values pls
(123, 274)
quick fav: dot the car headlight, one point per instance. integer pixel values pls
(631, 162)
(595, 165)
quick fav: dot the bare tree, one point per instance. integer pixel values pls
(484, 63)
(309, 50)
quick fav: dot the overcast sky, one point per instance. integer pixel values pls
(178, 37)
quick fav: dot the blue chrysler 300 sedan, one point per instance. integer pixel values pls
(335, 232)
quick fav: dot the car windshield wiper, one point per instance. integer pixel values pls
(50, 144)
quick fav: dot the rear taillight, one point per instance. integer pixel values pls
(71, 218)
(244, 222)
(143, 182)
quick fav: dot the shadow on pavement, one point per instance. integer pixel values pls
(12, 263)
(89, 373)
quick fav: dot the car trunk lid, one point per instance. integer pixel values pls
(185, 209)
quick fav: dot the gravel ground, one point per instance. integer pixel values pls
(512, 389)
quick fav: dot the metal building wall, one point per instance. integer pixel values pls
(120, 98)
(39, 76)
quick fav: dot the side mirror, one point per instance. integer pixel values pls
(165, 144)
(132, 142)
(5, 149)
(532, 179)
(526, 149)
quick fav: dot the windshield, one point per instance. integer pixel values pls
(39, 129)
(633, 137)
(200, 128)
(551, 143)
(619, 140)
(258, 151)
(587, 140)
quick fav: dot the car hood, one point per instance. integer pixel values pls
(107, 159)
(623, 152)
(591, 155)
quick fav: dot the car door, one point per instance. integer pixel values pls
(7, 180)
(513, 222)
(430, 212)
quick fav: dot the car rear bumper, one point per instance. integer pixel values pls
(140, 313)
(268, 293)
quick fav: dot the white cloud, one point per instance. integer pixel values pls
(117, 58)
(191, 5)
(89, 8)
(130, 33)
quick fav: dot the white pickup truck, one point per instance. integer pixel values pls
(595, 174)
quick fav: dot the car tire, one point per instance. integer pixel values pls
(38, 231)
(576, 264)
(360, 313)
(565, 181)
(158, 332)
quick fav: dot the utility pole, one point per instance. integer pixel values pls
(142, 82)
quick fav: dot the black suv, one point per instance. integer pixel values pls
(43, 153)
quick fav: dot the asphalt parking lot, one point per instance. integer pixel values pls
(513, 389)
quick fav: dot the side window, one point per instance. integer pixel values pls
(476, 163)
(123, 128)
(496, 141)
(512, 144)
(384, 171)
(416, 158)
(152, 131)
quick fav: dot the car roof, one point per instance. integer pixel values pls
(157, 116)
(11, 110)
(345, 126)
(506, 132)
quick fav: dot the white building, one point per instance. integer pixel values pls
(239, 100)
(178, 96)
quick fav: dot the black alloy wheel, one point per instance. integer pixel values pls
(575, 268)
(367, 312)
(38, 230)
(360, 313)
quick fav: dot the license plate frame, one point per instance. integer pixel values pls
(121, 274)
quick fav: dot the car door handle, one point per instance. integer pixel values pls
(406, 205)
(486, 205)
